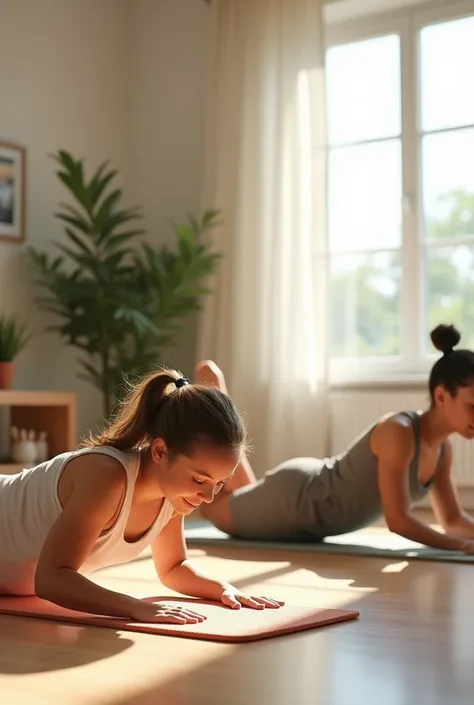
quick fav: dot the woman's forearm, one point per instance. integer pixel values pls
(189, 580)
(69, 589)
(414, 530)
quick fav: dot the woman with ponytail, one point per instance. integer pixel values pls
(172, 447)
(401, 458)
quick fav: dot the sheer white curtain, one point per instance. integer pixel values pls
(265, 323)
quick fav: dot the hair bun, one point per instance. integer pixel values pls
(445, 337)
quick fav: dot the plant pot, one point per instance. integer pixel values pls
(7, 371)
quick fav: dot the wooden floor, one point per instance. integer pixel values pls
(413, 644)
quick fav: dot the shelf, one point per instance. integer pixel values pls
(36, 410)
(10, 468)
(23, 397)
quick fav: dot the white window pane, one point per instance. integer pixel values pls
(363, 90)
(365, 196)
(365, 293)
(449, 290)
(448, 183)
(447, 61)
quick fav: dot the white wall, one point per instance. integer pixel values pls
(169, 43)
(115, 79)
(63, 84)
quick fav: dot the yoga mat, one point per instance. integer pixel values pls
(368, 543)
(222, 623)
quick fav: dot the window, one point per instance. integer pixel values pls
(400, 112)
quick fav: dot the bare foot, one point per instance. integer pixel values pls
(208, 373)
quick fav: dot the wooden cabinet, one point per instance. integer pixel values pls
(53, 412)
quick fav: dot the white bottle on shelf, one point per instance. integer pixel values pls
(15, 445)
(24, 449)
(42, 451)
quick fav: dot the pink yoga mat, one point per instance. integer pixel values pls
(222, 623)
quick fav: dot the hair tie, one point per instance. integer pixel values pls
(448, 351)
(181, 382)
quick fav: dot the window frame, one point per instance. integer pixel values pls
(406, 22)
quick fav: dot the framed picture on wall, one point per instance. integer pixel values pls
(12, 192)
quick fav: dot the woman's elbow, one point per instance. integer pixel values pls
(44, 584)
(396, 523)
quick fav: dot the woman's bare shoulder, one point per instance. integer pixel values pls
(392, 438)
(92, 471)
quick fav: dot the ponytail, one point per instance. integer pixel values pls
(164, 405)
(133, 424)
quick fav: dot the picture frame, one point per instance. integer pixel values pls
(12, 192)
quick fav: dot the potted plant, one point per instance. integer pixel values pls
(13, 338)
(119, 300)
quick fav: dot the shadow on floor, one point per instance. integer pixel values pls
(37, 645)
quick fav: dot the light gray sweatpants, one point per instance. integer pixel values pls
(278, 506)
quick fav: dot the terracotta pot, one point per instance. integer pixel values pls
(7, 371)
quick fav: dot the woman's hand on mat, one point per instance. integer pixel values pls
(160, 612)
(235, 599)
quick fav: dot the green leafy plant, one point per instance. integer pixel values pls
(13, 338)
(120, 300)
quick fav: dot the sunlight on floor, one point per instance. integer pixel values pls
(395, 567)
(274, 579)
(308, 587)
(175, 660)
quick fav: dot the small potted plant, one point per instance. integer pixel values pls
(13, 338)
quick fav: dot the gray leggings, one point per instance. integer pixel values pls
(277, 507)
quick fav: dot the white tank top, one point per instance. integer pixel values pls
(29, 506)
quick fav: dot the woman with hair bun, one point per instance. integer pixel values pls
(401, 458)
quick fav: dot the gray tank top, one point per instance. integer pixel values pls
(342, 494)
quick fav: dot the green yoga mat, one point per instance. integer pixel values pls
(359, 543)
